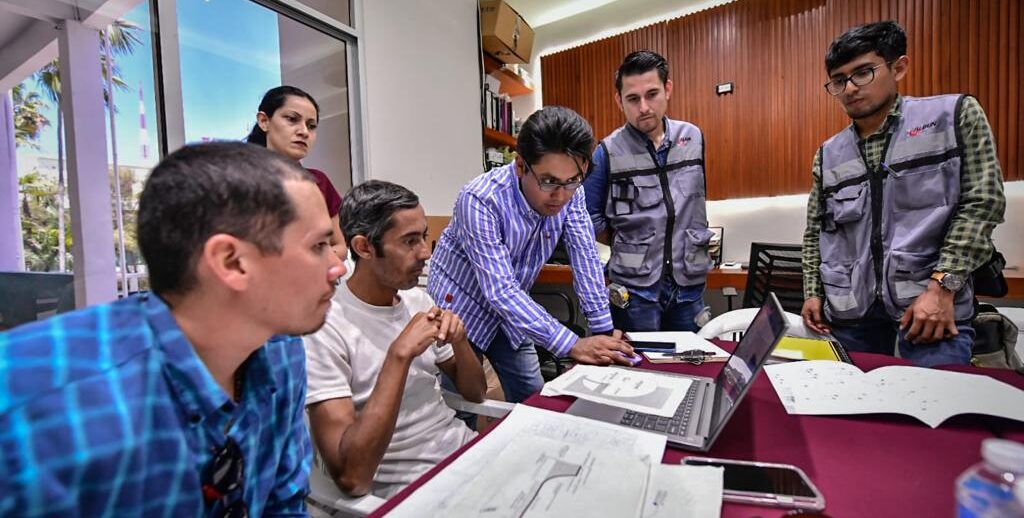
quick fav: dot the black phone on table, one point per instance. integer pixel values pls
(764, 483)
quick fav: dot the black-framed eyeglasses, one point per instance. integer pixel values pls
(223, 479)
(549, 185)
(860, 77)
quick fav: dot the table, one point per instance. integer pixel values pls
(871, 465)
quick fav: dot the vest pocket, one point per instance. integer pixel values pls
(922, 188)
(698, 257)
(908, 276)
(630, 257)
(847, 204)
(840, 296)
(648, 191)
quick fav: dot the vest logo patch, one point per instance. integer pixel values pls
(683, 140)
(916, 131)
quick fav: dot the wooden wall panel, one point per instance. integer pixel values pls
(761, 139)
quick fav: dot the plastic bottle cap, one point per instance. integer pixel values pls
(1003, 454)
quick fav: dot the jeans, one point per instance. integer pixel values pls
(518, 369)
(665, 306)
(878, 333)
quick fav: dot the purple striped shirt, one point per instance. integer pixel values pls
(491, 253)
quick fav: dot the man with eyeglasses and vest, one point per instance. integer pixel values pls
(504, 227)
(647, 189)
(901, 211)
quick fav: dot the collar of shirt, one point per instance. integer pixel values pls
(193, 387)
(890, 120)
(647, 140)
(510, 180)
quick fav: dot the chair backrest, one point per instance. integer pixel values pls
(775, 268)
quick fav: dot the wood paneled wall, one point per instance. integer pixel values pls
(761, 139)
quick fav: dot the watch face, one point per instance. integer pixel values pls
(952, 282)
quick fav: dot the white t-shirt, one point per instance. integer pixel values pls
(343, 360)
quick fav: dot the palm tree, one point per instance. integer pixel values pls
(28, 117)
(123, 39)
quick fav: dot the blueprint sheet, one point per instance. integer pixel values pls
(542, 463)
(632, 389)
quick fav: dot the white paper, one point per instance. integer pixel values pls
(823, 387)
(684, 340)
(633, 389)
(677, 490)
(537, 476)
(521, 423)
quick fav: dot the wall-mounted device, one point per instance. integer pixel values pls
(724, 88)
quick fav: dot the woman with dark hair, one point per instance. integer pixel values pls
(286, 123)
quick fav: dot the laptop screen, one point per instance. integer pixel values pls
(736, 377)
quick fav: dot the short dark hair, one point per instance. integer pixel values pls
(368, 209)
(272, 100)
(887, 39)
(555, 129)
(205, 189)
(641, 62)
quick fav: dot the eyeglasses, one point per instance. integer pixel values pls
(549, 185)
(860, 77)
(222, 481)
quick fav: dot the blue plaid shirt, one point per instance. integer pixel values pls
(108, 411)
(491, 253)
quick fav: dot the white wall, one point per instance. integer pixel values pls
(423, 92)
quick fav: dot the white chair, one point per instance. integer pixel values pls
(730, 324)
(325, 500)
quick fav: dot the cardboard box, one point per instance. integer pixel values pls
(506, 36)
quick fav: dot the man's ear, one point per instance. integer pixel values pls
(361, 247)
(263, 121)
(520, 166)
(618, 102)
(900, 67)
(227, 260)
(668, 88)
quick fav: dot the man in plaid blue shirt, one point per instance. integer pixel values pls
(186, 401)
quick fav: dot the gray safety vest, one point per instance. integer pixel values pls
(657, 212)
(881, 230)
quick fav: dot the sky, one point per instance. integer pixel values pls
(229, 52)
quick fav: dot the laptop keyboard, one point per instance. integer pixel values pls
(675, 425)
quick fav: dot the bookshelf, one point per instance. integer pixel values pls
(511, 83)
(495, 138)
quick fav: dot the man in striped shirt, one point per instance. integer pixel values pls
(505, 225)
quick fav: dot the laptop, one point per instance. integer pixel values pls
(709, 403)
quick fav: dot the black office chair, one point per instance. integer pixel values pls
(564, 308)
(777, 268)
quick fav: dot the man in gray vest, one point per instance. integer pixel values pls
(901, 211)
(645, 195)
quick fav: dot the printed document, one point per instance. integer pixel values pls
(822, 387)
(633, 389)
(524, 470)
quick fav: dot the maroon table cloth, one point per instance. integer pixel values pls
(865, 465)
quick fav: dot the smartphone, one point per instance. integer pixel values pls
(764, 483)
(653, 347)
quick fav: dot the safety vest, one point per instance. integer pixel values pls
(882, 229)
(657, 212)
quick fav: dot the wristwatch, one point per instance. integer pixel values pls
(949, 281)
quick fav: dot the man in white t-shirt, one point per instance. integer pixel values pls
(374, 401)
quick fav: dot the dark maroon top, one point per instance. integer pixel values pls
(331, 195)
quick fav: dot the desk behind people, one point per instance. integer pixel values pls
(873, 465)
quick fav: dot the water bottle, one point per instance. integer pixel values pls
(986, 489)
